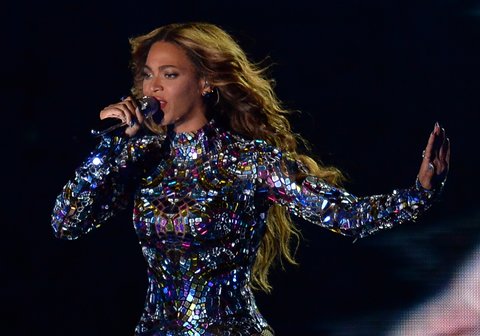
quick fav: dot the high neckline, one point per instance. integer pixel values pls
(192, 137)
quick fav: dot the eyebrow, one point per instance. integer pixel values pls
(163, 67)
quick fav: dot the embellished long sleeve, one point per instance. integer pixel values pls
(101, 185)
(200, 203)
(334, 208)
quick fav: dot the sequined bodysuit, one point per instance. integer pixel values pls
(200, 204)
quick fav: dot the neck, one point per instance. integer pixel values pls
(184, 126)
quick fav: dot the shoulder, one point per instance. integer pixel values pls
(262, 156)
(134, 148)
(254, 149)
(242, 156)
(146, 140)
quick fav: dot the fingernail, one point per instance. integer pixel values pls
(122, 98)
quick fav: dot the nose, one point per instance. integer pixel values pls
(156, 85)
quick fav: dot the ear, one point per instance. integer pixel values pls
(207, 87)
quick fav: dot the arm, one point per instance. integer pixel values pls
(102, 185)
(333, 208)
(318, 202)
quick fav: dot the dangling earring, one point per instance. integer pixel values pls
(208, 94)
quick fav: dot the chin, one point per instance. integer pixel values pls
(167, 121)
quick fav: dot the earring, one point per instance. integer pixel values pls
(207, 85)
(209, 94)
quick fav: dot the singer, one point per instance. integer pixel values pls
(216, 182)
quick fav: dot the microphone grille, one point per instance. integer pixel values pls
(148, 106)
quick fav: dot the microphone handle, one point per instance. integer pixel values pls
(107, 130)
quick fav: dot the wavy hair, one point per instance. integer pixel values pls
(248, 105)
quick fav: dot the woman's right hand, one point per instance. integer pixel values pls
(127, 112)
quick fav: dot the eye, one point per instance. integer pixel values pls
(146, 75)
(171, 75)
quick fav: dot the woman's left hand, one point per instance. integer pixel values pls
(436, 159)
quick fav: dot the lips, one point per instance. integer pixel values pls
(161, 102)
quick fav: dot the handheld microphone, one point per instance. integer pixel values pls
(148, 106)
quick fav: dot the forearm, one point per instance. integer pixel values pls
(102, 185)
(87, 200)
(344, 213)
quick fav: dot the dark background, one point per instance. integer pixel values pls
(370, 77)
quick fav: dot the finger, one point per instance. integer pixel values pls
(442, 164)
(439, 139)
(131, 119)
(443, 149)
(112, 111)
(128, 107)
(437, 128)
(126, 112)
(139, 115)
(447, 158)
(428, 149)
(444, 135)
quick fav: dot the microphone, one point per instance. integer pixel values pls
(148, 106)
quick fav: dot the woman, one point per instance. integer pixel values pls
(215, 181)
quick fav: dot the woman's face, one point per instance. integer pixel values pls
(170, 77)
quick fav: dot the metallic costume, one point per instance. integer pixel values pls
(200, 205)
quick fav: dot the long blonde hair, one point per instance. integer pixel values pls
(248, 105)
